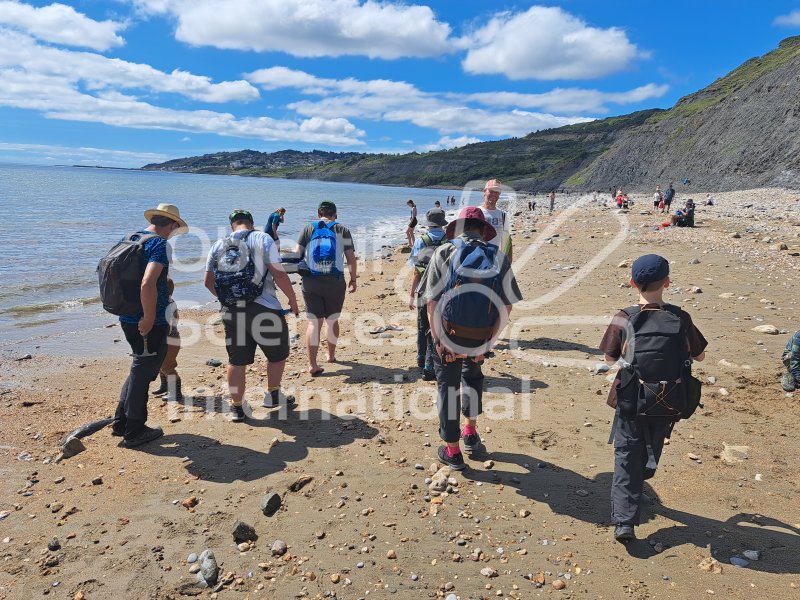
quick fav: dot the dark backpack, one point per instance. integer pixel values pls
(423, 257)
(120, 275)
(656, 379)
(470, 298)
(235, 273)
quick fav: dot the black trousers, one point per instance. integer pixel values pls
(425, 349)
(131, 412)
(630, 464)
(460, 391)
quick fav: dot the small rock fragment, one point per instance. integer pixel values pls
(279, 548)
(270, 504)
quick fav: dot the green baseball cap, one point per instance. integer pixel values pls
(239, 214)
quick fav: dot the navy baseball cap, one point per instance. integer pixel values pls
(649, 268)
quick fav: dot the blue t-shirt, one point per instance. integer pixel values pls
(436, 234)
(154, 250)
(274, 219)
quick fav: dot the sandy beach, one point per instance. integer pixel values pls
(350, 463)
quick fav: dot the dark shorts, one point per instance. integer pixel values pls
(656, 203)
(412, 223)
(323, 295)
(254, 326)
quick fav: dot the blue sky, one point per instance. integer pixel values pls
(128, 82)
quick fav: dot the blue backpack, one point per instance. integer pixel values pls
(470, 298)
(235, 273)
(321, 255)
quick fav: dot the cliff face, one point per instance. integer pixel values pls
(742, 131)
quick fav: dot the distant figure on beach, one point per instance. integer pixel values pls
(421, 253)
(653, 388)
(326, 246)
(657, 197)
(271, 228)
(497, 218)
(594, 196)
(530, 206)
(552, 198)
(412, 222)
(142, 316)
(243, 271)
(170, 382)
(620, 198)
(709, 200)
(465, 322)
(684, 217)
(438, 204)
(669, 195)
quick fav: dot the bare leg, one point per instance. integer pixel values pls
(236, 378)
(312, 344)
(275, 374)
(333, 338)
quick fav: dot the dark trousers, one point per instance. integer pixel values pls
(630, 464)
(425, 349)
(460, 391)
(131, 412)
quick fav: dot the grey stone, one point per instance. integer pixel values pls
(213, 362)
(242, 532)
(209, 570)
(72, 447)
(739, 562)
(192, 558)
(54, 545)
(279, 548)
(270, 504)
(752, 554)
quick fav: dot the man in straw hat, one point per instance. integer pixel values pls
(469, 289)
(147, 330)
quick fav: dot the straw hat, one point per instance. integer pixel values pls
(166, 210)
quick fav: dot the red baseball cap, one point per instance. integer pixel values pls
(456, 226)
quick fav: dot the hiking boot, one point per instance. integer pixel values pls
(788, 383)
(277, 398)
(472, 442)
(117, 430)
(237, 413)
(455, 462)
(624, 533)
(145, 434)
(174, 394)
(428, 375)
(161, 389)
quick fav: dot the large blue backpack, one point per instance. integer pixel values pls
(470, 300)
(235, 274)
(321, 255)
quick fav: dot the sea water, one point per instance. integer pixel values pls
(58, 222)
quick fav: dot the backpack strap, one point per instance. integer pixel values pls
(140, 238)
(427, 240)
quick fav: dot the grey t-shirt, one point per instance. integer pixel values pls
(344, 240)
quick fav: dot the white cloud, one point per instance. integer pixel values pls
(568, 100)
(98, 72)
(790, 20)
(61, 24)
(80, 86)
(546, 43)
(186, 138)
(448, 142)
(308, 28)
(80, 155)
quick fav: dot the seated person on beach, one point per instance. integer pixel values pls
(685, 216)
(791, 360)
(709, 200)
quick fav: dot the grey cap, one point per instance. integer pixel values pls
(434, 218)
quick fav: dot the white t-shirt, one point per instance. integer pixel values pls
(499, 220)
(265, 252)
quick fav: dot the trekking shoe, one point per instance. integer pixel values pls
(117, 431)
(428, 375)
(454, 462)
(237, 413)
(624, 533)
(146, 434)
(174, 394)
(277, 398)
(472, 442)
(787, 382)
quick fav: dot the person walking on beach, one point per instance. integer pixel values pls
(421, 253)
(657, 343)
(469, 289)
(271, 228)
(497, 218)
(657, 197)
(170, 382)
(242, 272)
(412, 222)
(669, 195)
(326, 245)
(552, 198)
(144, 322)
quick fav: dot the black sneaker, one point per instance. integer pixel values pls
(428, 375)
(472, 442)
(454, 462)
(117, 430)
(624, 533)
(237, 413)
(146, 434)
(277, 398)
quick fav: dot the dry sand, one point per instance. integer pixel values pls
(540, 513)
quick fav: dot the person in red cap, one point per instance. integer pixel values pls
(469, 288)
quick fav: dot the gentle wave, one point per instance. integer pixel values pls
(45, 307)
